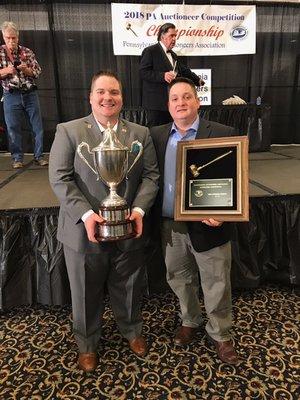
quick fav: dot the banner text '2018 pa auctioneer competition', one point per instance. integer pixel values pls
(201, 30)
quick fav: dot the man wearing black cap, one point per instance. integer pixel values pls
(159, 66)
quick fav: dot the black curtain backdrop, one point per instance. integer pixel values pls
(73, 40)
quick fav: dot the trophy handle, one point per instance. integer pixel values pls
(135, 144)
(79, 147)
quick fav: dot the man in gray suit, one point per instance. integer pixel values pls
(193, 247)
(90, 264)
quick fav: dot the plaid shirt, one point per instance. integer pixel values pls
(19, 81)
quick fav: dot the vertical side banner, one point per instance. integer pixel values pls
(204, 92)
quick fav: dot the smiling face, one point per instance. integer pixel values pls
(106, 99)
(183, 104)
(11, 39)
(169, 38)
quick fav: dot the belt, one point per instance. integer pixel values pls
(32, 89)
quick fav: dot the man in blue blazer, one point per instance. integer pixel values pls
(158, 67)
(193, 247)
(92, 265)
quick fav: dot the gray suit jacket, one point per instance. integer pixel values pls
(77, 188)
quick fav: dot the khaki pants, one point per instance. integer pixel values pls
(183, 267)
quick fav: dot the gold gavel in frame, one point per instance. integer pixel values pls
(195, 170)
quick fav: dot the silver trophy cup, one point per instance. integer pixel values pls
(111, 166)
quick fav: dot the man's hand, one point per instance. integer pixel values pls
(90, 226)
(26, 70)
(169, 76)
(212, 222)
(137, 220)
(10, 70)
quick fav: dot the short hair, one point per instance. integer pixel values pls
(105, 73)
(9, 25)
(164, 29)
(181, 79)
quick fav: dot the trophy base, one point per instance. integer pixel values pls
(117, 225)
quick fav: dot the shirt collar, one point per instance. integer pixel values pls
(193, 128)
(102, 128)
(164, 47)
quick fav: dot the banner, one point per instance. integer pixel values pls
(201, 30)
(204, 92)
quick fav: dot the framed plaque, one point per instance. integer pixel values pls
(212, 179)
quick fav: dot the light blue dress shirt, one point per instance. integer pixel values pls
(170, 166)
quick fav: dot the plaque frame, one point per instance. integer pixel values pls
(235, 167)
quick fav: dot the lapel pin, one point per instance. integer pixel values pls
(89, 126)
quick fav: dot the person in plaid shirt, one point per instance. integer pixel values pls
(18, 71)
